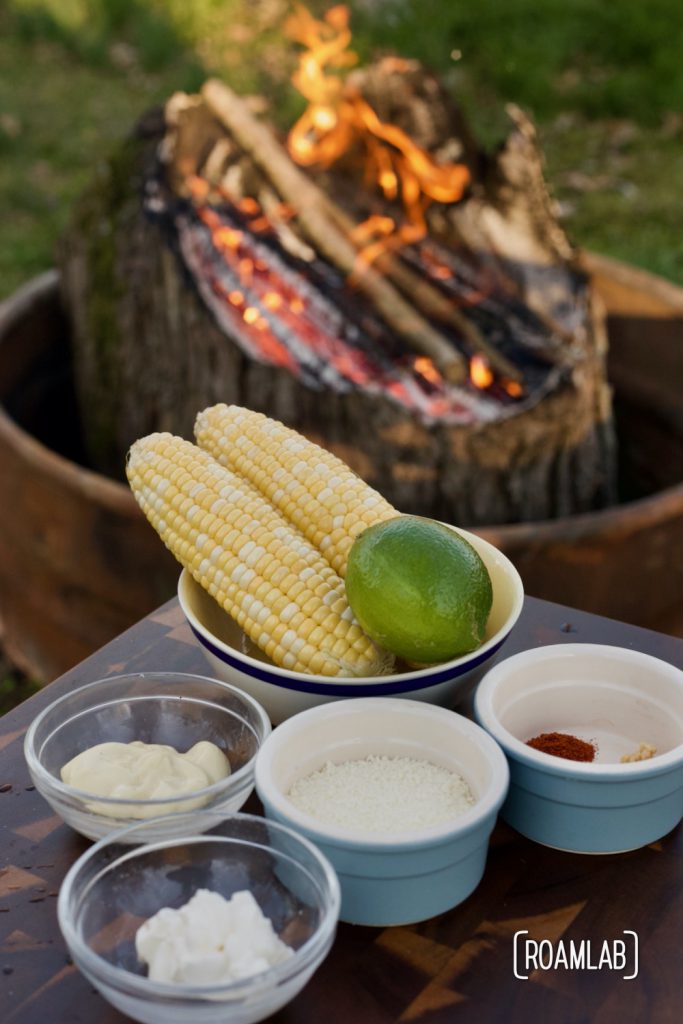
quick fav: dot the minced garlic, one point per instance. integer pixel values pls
(644, 752)
(382, 794)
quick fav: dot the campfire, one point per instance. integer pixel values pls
(375, 279)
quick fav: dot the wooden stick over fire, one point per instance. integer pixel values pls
(331, 241)
(432, 302)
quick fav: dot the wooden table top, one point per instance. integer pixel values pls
(454, 968)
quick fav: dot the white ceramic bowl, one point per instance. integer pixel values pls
(283, 693)
(611, 696)
(390, 878)
(172, 708)
(112, 889)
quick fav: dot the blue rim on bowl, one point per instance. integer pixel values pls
(387, 685)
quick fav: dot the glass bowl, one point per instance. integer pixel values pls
(112, 889)
(156, 707)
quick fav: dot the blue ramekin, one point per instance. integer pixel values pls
(617, 697)
(390, 878)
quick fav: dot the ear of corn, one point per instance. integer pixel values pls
(257, 566)
(312, 488)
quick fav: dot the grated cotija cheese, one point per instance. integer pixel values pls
(382, 794)
(210, 940)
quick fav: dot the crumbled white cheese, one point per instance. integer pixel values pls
(382, 794)
(209, 941)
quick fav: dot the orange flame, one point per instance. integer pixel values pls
(480, 372)
(338, 118)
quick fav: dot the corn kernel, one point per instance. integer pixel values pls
(312, 488)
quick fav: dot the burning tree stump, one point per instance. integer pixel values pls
(450, 351)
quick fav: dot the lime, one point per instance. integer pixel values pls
(419, 589)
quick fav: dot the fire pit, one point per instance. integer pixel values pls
(377, 281)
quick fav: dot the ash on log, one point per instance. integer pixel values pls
(449, 351)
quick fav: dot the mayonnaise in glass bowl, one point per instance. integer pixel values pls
(112, 889)
(170, 708)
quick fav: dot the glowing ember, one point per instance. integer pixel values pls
(279, 318)
(480, 372)
(338, 118)
(228, 237)
(271, 300)
(249, 206)
(197, 187)
(259, 224)
(425, 367)
(276, 309)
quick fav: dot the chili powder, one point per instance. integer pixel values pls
(561, 744)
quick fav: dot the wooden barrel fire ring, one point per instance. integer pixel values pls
(625, 562)
(79, 564)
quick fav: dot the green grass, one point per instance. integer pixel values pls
(62, 108)
(620, 59)
(603, 80)
(622, 199)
